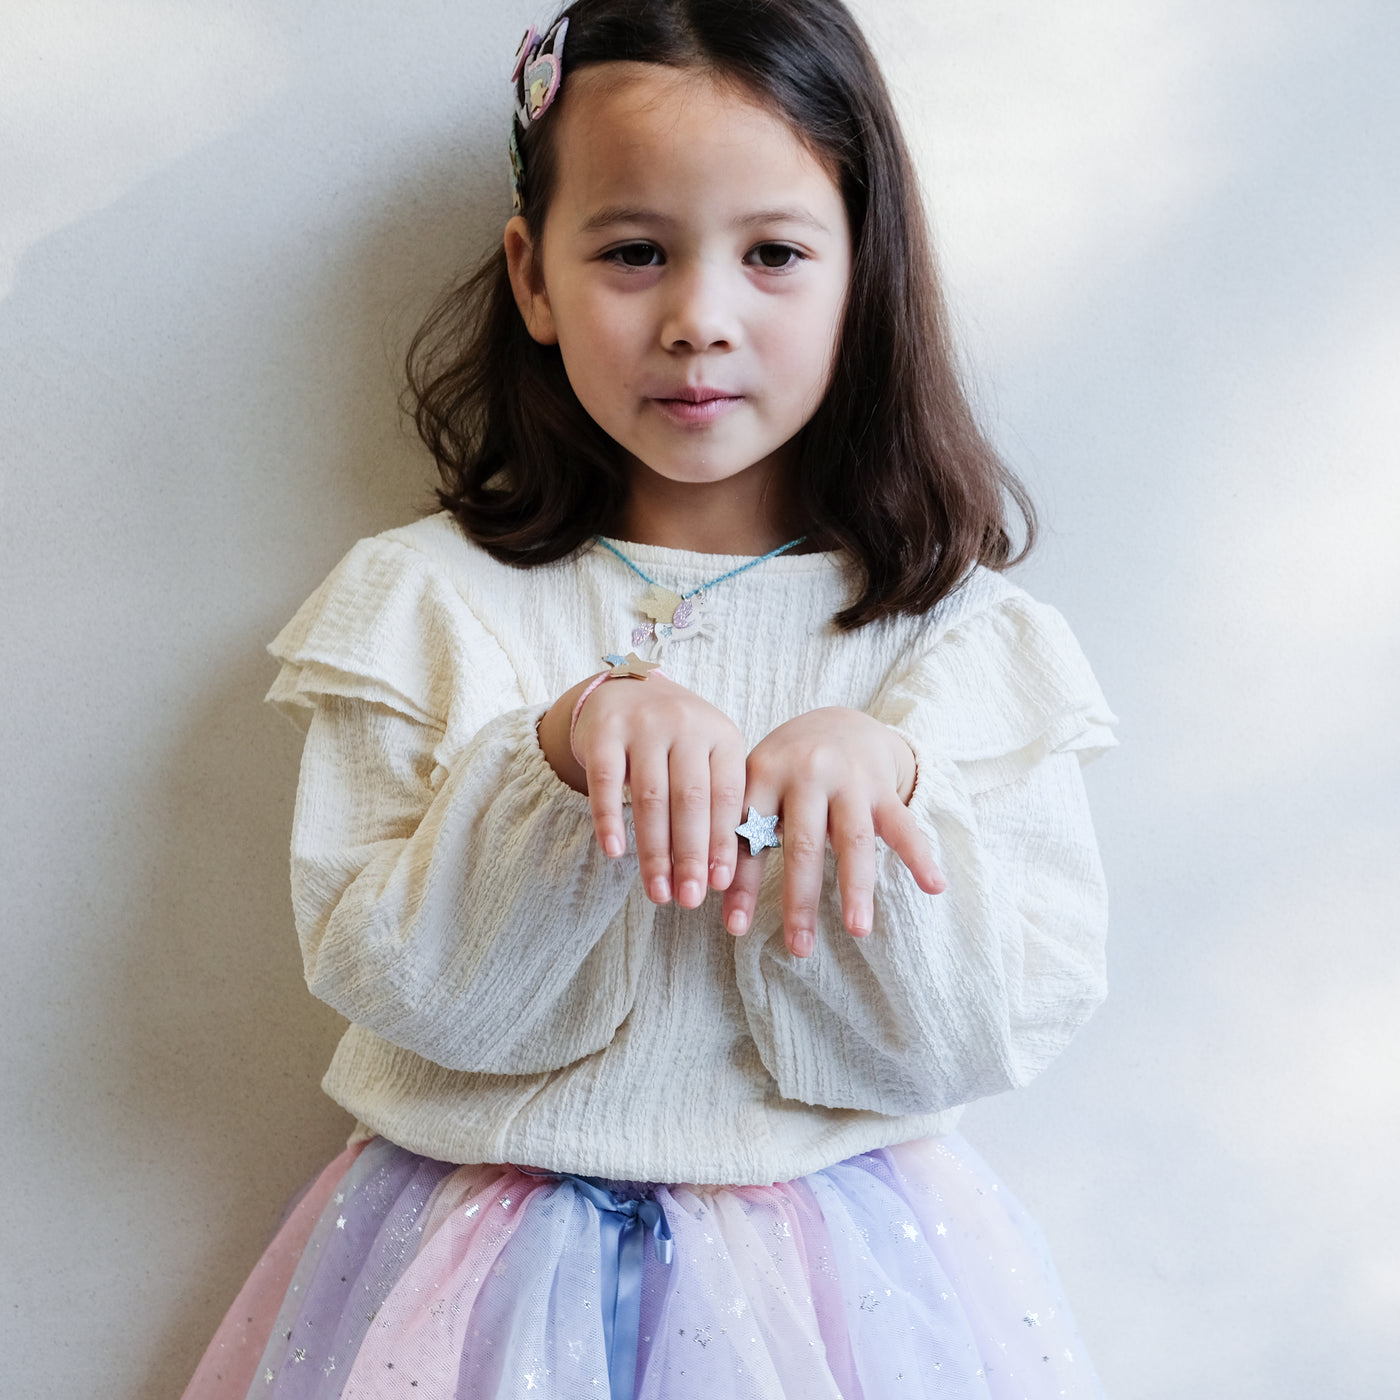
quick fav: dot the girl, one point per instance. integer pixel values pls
(697, 418)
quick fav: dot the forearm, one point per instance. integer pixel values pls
(953, 998)
(477, 924)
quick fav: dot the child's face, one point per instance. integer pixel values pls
(693, 272)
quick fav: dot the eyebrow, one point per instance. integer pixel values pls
(627, 214)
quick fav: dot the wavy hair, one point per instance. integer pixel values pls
(893, 468)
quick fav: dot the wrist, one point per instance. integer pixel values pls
(554, 739)
(906, 765)
(577, 710)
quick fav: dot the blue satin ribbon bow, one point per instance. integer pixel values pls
(624, 1225)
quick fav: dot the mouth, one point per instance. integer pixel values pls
(697, 405)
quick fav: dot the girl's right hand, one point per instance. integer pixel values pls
(684, 761)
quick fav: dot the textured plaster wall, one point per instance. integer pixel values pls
(1169, 232)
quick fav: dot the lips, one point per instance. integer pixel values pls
(696, 404)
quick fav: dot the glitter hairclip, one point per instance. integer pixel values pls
(535, 75)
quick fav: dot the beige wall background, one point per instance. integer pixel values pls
(1169, 229)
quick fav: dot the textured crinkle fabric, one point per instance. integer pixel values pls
(513, 994)
(909, 1271)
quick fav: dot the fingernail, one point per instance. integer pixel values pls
(802, 942)
(660, 890)
(613, 845)
(691, 893)
(722, 875)
(738, 923)
(857, 931)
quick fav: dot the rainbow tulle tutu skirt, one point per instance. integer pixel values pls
(908, 1272)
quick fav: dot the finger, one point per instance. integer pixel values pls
(804, 861)
(651, 819)
(726, 811)
(690, 821)
(605, 763)
(853, 840)
(741, 897)
(896, 827)
(742, 894)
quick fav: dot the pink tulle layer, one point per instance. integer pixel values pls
(906, 1272)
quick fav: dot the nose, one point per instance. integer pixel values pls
(701, 311)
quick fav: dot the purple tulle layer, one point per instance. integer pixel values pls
(907, 1272)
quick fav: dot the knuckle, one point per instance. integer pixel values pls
(605, 773)
(643, 719)
(673, 709)
(760, 767)
(803, 845)
(692, 795)
(730, 751)
(729, 795)
(825, 761)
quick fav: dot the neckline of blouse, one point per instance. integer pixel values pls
(655, 556)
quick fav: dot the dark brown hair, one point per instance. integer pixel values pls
(893, 467)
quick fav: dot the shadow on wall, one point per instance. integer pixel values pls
(210, 398)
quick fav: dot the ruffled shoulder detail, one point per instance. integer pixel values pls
(390, 626)
(1002, 684)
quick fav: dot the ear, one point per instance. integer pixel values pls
(527, 282)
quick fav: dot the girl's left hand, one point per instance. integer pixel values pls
(839, 773)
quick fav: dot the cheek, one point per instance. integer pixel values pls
(594, 333)
(809, 347)
(593, 343)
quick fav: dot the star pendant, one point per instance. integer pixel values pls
(759, 832)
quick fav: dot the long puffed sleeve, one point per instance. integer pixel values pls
(964, 994)
(448, 891)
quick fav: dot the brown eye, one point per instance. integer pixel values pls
(637, 255)
(775, 255)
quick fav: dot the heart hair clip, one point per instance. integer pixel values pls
(536, 74)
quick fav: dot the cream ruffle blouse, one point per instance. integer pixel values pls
(514, 997)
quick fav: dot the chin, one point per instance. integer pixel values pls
(703, 476)
(707, 471)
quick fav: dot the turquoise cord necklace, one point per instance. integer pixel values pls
(676, 617)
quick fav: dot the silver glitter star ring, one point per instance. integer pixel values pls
(759, 832)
